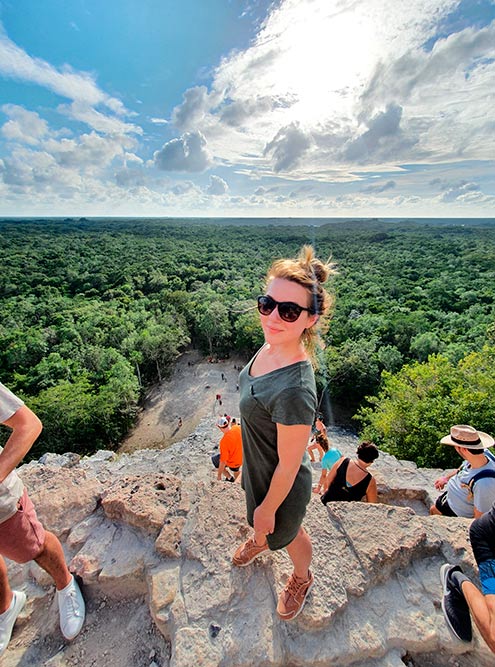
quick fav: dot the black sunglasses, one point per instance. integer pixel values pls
(288, 310)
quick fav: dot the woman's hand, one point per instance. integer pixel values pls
(263, 520)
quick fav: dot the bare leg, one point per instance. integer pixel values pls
(52, 560)
(5, 590)
(260, 538)
(300, 551)
(482, 609)
(433, 510)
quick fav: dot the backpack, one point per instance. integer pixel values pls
(482, 473)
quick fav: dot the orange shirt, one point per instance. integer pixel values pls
(231, 447)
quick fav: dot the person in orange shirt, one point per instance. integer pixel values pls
(229, 460)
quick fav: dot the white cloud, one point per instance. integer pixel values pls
(187, 153)
(459, 191)
(379, 187)
(100, 122)
(383, 141)
(182, 187)
(16, 64)
(327, 86)
(24, 126)
(330, 100)
(288, 147)
(130, 177)
(217, 186)
(89, 151)
(196, 103)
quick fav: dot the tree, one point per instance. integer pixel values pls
(418, 405)
(213, 326)
(248, 333)
(353, 369)
(424, 344)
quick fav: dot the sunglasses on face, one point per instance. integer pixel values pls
(288, 310)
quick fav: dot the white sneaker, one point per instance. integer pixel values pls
(8, 619)
(71, 609)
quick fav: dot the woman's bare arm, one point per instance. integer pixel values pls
(291, 445)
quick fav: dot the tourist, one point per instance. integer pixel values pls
(278, 404)
(470, 490)
(349, 479)
(330, 456)
(229, 460)
(319, 425)
(22, 537)
(314, 445)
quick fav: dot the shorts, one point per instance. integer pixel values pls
(22, 537)
(215, 459)
(482, 536)
(443, 506)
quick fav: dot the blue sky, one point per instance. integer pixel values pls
(247, 108)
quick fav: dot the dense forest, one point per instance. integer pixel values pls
(93, 312)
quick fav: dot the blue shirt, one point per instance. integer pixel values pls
(331, 457)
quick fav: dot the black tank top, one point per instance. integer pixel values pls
(338, 489)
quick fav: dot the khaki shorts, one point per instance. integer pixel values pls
(22, 537)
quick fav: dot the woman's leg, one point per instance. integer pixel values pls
(293, 597)
(310, 449)
(300, 551)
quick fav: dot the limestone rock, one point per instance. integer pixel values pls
(62, 496)
(163, 535)
(146, 501)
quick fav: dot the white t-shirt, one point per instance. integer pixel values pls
(12, 488)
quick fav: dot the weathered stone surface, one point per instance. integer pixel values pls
(165, 533)
(146, 502)
(67, 460)
(62, 496)
(169, 540)
(163, 585)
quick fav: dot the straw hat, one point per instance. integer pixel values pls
(462, 435)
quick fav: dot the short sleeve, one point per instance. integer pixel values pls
(294, 405)
(9, 403)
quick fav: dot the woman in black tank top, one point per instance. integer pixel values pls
(350, 480)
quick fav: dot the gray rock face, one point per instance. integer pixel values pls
(155, 527)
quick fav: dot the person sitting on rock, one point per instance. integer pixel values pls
(330, 456)
(470, 490)
(350, 480)
(229, 460)
(461, 598)
(22, 537)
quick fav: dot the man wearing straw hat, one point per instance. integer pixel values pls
(470, 490)
(461, 598)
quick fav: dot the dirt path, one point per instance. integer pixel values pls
(189, 395)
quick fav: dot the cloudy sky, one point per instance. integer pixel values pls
(335, 108)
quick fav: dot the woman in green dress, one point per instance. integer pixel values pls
(278, 404)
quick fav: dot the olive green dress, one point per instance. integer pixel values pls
(284, 396)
